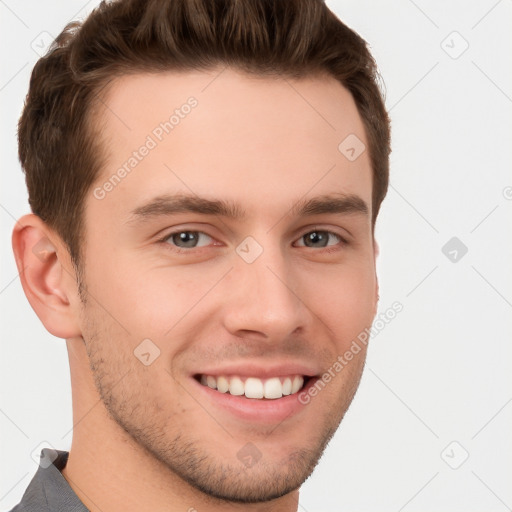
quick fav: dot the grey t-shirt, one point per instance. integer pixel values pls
(49, 491)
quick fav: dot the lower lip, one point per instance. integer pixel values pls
(254, 410)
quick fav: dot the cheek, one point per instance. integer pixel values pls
(137, 297)
(345, 300)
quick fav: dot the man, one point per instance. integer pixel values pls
(204, 179)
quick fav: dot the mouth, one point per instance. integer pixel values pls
(257, 393)
(272, 388)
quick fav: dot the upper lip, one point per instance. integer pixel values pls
(261, 370)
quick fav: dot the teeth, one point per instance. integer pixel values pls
(222, 384)
(287, 386)
(273, 388)
(296, 384)
(253, 387)
(236, 386)
(211, 382)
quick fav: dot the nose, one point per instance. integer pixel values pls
(265, 301)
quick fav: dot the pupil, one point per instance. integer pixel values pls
(316, 237)
(187, 237)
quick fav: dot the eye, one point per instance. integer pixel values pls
(320, 238)
(186, 239)
(183, 240)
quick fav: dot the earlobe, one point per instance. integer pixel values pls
(46, 276)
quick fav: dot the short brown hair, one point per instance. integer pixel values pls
(59, 148)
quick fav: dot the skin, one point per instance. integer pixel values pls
(146, 437)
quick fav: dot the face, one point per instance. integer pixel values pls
(213, 284)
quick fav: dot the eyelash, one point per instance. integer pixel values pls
(343, 242)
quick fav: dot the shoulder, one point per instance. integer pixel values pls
(48, 490)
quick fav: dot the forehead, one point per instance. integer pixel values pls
(231, 135)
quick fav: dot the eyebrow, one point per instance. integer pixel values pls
(165, 205)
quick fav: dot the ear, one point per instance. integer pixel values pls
(376, 251)
(47, 276)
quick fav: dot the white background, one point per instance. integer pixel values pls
(441, 370)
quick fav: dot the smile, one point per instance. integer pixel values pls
(254, 387)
